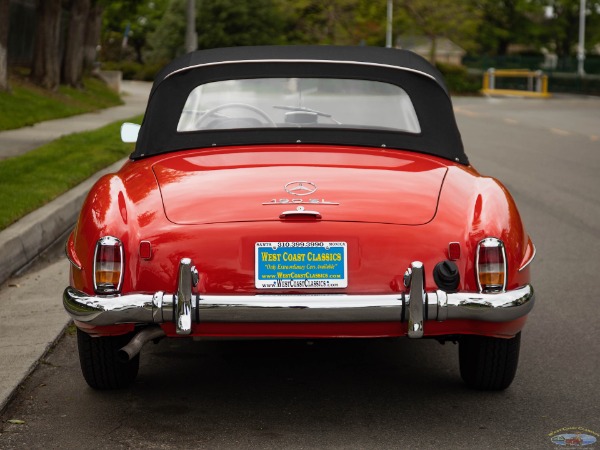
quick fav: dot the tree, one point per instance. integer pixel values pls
(370, 24)
(92, 34)
(506, 22)
(453, 19)
(226, 23)
(321, 21)
(592, 28)
(139, 17)
(167, 40)
(336, 22)
(148, 17)
(562, 29)
(219, 23)
(72, 73)
(45, 70)
(4, 24)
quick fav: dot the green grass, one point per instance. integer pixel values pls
(27, 104)
(30, 181)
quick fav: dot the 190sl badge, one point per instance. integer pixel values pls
(299, 201)
(300, 188)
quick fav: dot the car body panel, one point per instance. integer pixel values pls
(129, 204)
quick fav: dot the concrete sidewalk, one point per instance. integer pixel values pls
(31, 312)
(19, 141)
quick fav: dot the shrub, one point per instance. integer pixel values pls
(458, 80)
(133, 70)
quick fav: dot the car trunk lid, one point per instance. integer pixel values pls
(339, 183)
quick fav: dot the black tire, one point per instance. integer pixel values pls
(100, 365)
(488, 363)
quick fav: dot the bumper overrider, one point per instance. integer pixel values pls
(184, 307)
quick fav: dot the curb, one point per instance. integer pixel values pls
(22, 241)
(16, 382)
(20, 244)
(23, 342)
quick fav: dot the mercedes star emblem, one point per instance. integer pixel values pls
(300, 187)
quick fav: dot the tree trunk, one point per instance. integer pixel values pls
(92, 36)
(4, 22)
(433, 49)
(72, 73)
(45, 70)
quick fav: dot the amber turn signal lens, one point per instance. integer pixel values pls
(489, 279)
(491, 265)
(108, 262)
(108, 274)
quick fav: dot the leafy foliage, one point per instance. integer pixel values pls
(491, 27)
(501, 21)
(233, 22)
(457, 21)
(458, 80)
(37, 177)
(28, 104)
(561, 29)
(334, 22)
(136, 18)
(219, 23)
(168, 39)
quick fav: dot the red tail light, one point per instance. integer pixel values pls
(490, 263)
(108, 265)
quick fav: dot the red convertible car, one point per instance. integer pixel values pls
(299, 192)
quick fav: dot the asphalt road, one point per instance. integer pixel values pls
(383, 393)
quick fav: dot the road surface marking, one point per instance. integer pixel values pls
(466, 112)
(560, 132)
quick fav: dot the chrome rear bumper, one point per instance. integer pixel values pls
(184, 308)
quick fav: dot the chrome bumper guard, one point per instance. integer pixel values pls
(184, 308)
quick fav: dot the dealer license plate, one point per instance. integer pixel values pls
(298, 265)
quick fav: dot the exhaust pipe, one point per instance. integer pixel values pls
(135, 345)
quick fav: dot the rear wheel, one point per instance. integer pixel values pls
(100, 365)
(488, 363)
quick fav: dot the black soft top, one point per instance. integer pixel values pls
(423, 82)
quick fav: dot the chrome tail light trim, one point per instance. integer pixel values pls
(491, 242)
(109, 241)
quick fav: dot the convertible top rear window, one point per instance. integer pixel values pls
(313, 95)
(298, 102)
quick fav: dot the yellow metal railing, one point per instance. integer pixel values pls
(537, 83)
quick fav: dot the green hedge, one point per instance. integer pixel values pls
(458, 80)
(133, 70)
(532, 62)
(589, 85)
